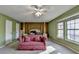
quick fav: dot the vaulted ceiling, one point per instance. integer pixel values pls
(22, 12)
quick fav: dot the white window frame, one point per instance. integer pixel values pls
(74, 34)
(59, 29)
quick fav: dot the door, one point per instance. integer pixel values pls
(8, 30)
(17, 30)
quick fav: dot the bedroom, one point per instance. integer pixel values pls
(52, 21)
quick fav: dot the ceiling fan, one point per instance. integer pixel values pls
(37, 10)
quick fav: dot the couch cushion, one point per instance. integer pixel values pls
(32, 37)
(27, 39)
(37, 38)
(32, 43)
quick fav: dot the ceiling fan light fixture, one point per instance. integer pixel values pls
(38, 14)
(38, 10)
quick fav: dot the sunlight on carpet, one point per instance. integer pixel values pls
(48, 50)
(59, 53)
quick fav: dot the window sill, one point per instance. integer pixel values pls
(77, 43)
(73, 42)
(60, 38)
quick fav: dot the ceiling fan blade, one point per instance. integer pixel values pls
(42, 10)
(28, 13)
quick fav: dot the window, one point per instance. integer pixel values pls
(70, 30)
(73, 30)
(60, 30)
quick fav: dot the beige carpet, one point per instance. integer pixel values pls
(13, 45)
(48, 50)
(52, 48)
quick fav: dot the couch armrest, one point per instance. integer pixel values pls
(43, 39)
(21, 39)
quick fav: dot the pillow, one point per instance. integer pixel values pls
(27, 39)
(37, 38)
(32, 37)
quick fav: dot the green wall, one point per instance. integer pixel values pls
(52, 29)
(3, 19)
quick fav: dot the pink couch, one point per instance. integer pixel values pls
(32, 42)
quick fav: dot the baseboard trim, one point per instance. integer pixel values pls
(2, 46)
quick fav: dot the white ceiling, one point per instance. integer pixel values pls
(21, 12)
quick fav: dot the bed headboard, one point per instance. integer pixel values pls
(35, 30)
